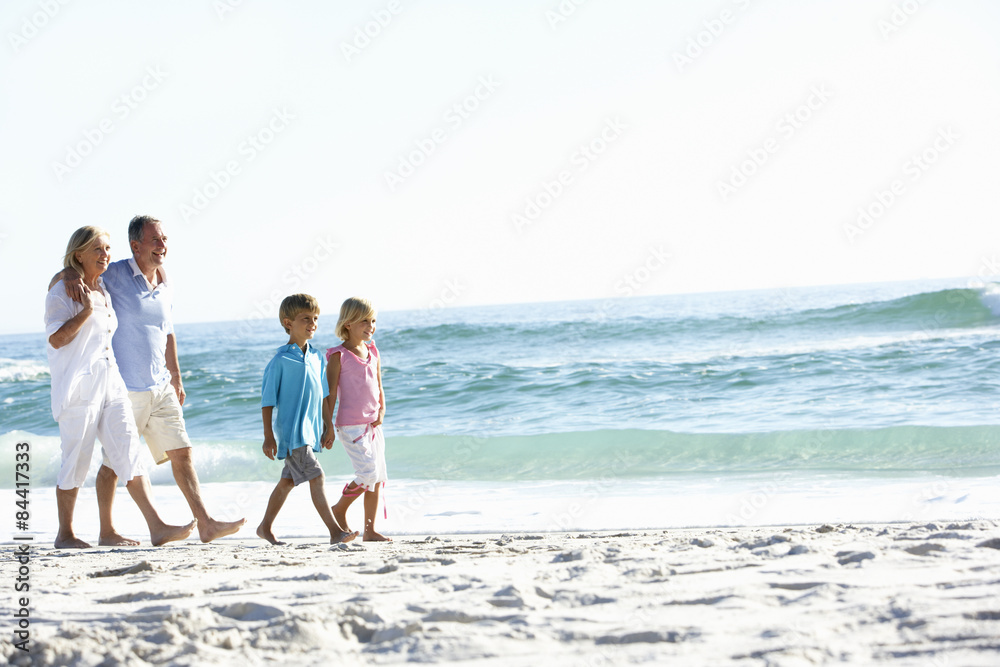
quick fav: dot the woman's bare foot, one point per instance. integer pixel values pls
(167, 533)
(269, 536)
(345, 536)
(114, 539)
(372, 536)
(212, 529)
(70, 542)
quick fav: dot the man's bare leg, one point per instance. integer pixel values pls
(107, 481)
(371, 510)
(65, 503)
(187, 481)
(274, 503)
(159, 532)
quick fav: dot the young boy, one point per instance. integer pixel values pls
(293, 382)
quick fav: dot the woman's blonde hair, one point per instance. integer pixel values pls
(81, 239)
(353, 310)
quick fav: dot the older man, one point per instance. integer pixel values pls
(146, 350)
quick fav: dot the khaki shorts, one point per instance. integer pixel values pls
(160, 421)
(301, 465)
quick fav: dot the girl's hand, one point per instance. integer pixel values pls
(378, 420)
(329, 435)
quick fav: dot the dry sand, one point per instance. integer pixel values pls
(868, 594)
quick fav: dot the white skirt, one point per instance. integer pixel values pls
(365, 446)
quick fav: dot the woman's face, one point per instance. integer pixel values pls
(95, 258)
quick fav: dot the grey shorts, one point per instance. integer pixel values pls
(301, 465)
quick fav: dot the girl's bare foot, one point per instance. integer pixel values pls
(166, 533)
(372, 536)
(344, 537)
(114, 539)
(341, 517)
(213, 529)
(70, 542)
(269, 536)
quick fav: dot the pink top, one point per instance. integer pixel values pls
(357, 389)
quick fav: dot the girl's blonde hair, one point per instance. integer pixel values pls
(81, 239)
(353, 310)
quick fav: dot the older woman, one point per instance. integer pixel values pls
(89, 399)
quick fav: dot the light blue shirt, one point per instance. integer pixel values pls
(144, 322)
(295, 383)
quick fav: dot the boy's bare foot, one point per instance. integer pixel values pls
(113, 539)
(167, 533)
(372, 536)
(70, 542)
(344, 537)
(269, 536)
(212, 529)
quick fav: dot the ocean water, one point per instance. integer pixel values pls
(857, 403)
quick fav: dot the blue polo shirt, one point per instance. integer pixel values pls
(295, 383)
(144, 322)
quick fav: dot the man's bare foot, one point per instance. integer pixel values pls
(372, 536)
(269, 536)
(212, 529)
(341, 517)
(70, 542)
(167, 533)
(344, 537)
(113, 539)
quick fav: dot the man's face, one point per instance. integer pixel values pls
(152, 250)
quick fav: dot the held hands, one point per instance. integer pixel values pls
(270, 447)
(329, 435)
(75, 289)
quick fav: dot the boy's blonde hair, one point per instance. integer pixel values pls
(81, 239)
(292, 305)
(353, 310)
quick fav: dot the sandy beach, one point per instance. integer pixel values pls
(901, 594)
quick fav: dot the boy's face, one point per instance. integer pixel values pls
(303, 327)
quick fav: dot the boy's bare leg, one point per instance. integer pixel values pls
(107, 481)
(187, 481)
(159, 532)
(65, 503)
(274, 503)
(371, 510)
(318, 491)
(340, 509)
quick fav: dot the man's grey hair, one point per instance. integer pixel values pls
(137, 227)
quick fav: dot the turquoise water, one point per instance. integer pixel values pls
(876, 382)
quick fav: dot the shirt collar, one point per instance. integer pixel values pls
(137, 273)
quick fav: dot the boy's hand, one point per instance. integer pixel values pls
(270, 447)
(329, 435)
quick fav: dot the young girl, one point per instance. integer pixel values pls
(354, 373)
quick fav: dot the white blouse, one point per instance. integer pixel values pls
(73, 362)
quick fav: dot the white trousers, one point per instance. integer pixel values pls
(365, 446)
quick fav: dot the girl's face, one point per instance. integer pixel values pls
(96, 257)
(362, 329)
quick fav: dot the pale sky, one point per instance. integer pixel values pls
(468, 153)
